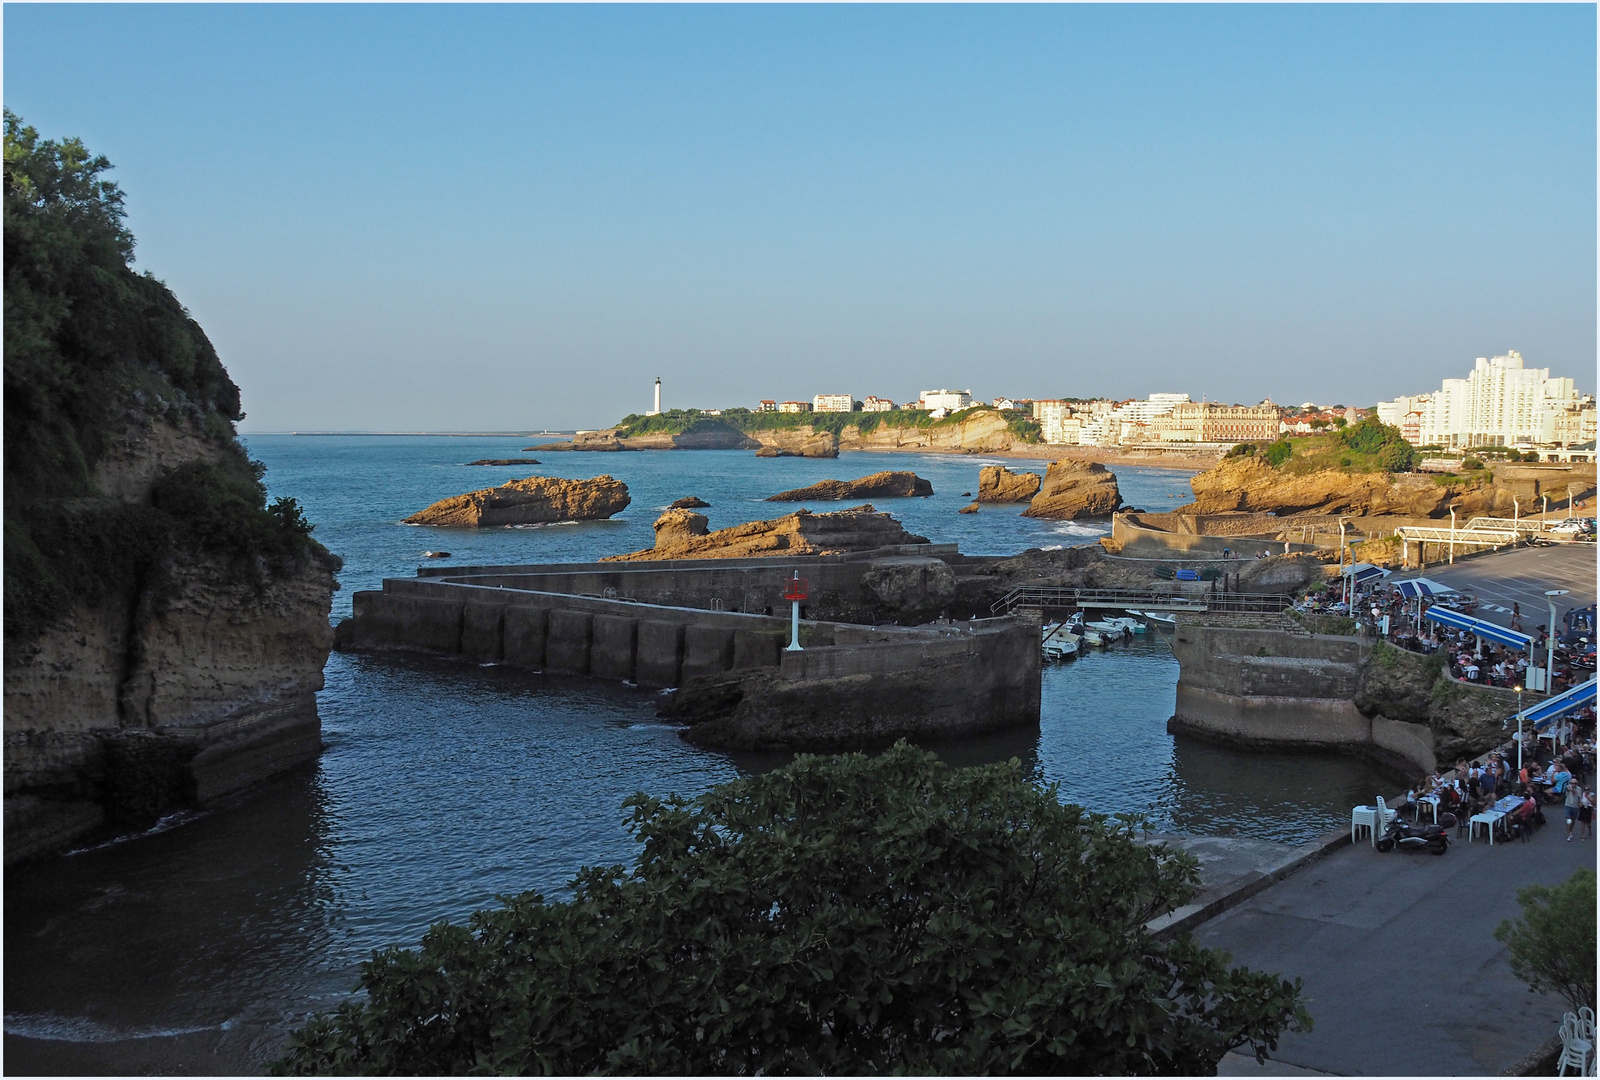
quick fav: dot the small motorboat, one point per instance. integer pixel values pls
(1064, 647)
(1093, 637)
(1059, 643)
(1165, 618)
(1110, 631)
(1132, 626)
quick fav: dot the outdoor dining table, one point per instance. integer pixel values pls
(1492, 817)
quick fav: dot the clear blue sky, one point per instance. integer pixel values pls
(407, 218)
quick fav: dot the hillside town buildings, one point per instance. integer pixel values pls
(1501, 402)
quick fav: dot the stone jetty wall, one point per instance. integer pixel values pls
(853, 685)
(1272, 688)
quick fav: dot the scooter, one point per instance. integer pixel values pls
(1434, 838)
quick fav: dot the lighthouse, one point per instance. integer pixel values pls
(657, 410)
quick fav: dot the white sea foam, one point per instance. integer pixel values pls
(81, 1029)
(171, 821)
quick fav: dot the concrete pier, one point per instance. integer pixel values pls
(661, 625)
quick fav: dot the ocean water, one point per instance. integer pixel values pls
(445, 784)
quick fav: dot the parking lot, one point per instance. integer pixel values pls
(1521, 577)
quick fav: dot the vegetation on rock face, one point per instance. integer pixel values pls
(688, 421)
(843, 915)
(1552, 944)
(93, 349)
(1364, 447)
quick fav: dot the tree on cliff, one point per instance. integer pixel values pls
(92, 350)
(842, 915)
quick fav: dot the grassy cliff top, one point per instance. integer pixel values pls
(1366, 447)
(685, 421)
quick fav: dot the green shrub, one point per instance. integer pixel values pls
(1278, 453)
(1471, 463)
(844, 915)
(1552, 943)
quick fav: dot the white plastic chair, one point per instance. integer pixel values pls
(1363, 817)
(1385, 815)
(1586, 1024)
(1576, 1051)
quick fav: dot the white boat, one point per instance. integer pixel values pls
(1059, 642)
(1064, 647)
(1110, 631)
(1093, 637)
(1132, 626)
(1166, 618)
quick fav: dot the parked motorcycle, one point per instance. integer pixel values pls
(1408, 837)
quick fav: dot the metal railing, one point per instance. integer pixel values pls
(1054, 596)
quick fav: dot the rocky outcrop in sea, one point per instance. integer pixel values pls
(533, 501)
(998, 484)
(682, 534)
(1074, 489)
(880, 485)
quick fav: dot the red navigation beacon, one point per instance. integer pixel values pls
(796, 589)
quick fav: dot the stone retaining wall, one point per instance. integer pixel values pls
(851, 685)
(1270, 688)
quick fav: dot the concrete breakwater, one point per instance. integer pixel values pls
(1273, 688)
(714, 630)
(1278, 688)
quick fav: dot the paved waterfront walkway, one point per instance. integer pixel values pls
(1402, 973)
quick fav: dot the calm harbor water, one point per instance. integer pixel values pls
(445, 784)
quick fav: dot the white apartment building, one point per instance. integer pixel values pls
(950, 400)
(833, 403)
(877, 404)
(1500, 403)
(794, 406)
(1057, 422)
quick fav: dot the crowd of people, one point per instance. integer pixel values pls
(1379, 610)
(1546, 778)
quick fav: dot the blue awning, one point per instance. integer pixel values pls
(1579, 697)
(1363, 571)
(1486, 630)
(1412, 588)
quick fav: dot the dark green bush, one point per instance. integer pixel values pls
(842, 916)
(1278, 452)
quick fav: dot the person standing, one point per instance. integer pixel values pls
(1516, 615)
(1586, 812)
(1574, 804)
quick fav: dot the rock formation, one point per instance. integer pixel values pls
(691, 503)
(882, 485)
(682, 534)
(536, 500)
(1250, 485)
(998, 484)
(1074, 489)
(794, 442)
(166, 629)
(504, 461)
(970, 508)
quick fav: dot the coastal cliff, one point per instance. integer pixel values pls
(166, 629)
(1251, 485)
(976, 430)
